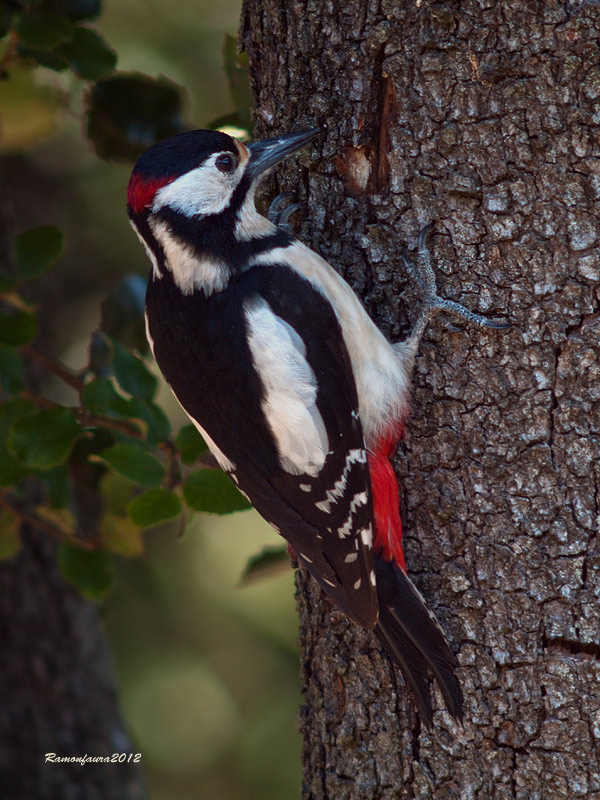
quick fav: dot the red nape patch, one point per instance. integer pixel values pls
(384, 486)
(141, 191)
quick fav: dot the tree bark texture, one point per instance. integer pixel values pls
(56, 688)
(482, 118)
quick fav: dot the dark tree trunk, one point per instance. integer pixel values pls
(56, 688)
(481, 117)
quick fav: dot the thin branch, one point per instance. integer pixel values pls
(99, 421)
(43, 525)
(53, 366)
(38, 400)
(85, 418)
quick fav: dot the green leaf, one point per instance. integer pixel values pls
(236, 68)
(121, 535)
(212, 491)
(270, 561)
(43, 30)
(133, 375)
(90, 572)
(153, 506)
(11, 470)
(159, 427)
(117, 492)
(12, 371)
(190, 444)
(10, 537)
(100, 397)
(37, 250)
(88, 55)
(46, 439)
(44, 58)
(61, 519)
(135, 463)
(129, 112)
(16, 327)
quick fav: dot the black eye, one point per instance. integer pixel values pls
(226, 162)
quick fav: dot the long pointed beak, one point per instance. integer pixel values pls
(268, 152)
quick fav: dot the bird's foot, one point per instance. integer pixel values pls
(280, 215)
(422, 274)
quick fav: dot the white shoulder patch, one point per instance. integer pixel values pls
(290, 385)
(380, 373)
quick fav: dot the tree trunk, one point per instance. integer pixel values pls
(481, 117)
(56, 688)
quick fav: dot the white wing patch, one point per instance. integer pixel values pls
(332, 495)
(290, 386)
(359, 499)
(381, 375)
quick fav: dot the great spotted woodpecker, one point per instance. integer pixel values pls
(298, 395)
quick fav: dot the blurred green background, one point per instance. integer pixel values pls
(208, 671)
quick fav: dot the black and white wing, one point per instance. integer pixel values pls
(281, 415)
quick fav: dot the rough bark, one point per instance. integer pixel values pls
(481, 117)
(56, 688)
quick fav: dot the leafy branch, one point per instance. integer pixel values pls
(113, 444)
(116, 441)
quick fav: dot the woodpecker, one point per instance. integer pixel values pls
(298, 395)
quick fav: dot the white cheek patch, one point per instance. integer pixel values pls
(203, 191)
(190, 272)
(290, 390)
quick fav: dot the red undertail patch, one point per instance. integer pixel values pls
(384, 486)
(141, 191)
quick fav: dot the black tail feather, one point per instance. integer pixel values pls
(413, 667)
(413, 638)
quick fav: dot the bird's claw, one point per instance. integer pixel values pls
(422, 274)
(279, 215)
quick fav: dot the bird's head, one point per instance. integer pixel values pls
(204, 173)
